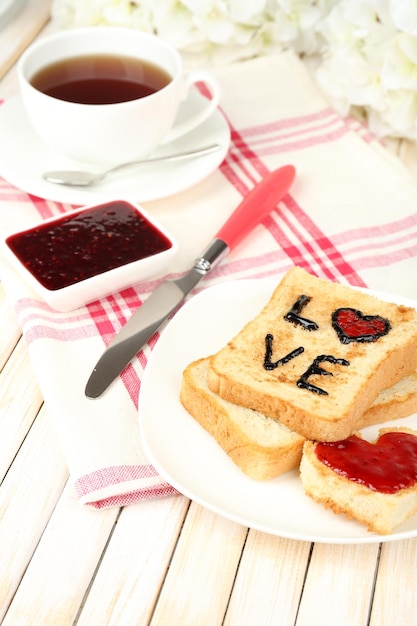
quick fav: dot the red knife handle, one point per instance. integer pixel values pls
(258, 203)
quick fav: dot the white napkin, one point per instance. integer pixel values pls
(351, 216)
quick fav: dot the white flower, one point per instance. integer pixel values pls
(370, 61)
(296, 23)
(77, 13)
(222, 29)
(404, 15)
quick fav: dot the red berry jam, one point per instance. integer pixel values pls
(386, 466)
(83, 244)
(351, 325)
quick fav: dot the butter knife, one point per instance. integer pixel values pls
(169, 294)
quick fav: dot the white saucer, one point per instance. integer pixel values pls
(24, 158)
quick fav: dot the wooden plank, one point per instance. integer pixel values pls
(339, 585)
(20, 31)
(269, 581)
(127, 584)
(395, 599)
(59, 573)
(20, 400)
(28, 495)
(202, 571)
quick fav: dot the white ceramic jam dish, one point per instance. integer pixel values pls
(89, 253)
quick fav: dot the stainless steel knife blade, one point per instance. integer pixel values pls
(169, 294)
(138, 329)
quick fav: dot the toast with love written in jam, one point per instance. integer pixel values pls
(317, 356)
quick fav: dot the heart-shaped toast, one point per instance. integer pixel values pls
(351, 325)
(387, 466)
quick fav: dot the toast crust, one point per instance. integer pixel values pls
(260, 446)
(238, 375)
(393, 403)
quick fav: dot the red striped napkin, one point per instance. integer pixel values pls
(351, 216)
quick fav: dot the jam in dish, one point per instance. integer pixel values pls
(85, 243)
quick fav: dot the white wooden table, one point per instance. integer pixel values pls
(167, 562)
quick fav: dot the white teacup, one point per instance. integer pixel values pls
(111, 133)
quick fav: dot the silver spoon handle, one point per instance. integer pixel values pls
(179, 156)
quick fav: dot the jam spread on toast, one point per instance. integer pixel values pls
(387, 466)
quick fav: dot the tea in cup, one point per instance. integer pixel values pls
(108, 95)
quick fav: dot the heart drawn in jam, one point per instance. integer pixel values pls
(351, 325)
(386, 466)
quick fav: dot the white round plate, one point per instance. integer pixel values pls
(24, 158)
(190, 459)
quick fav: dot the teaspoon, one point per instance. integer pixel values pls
(83, 179)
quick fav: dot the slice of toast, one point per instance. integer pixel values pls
(261, 446)
(317, 356)
(380, 499)
(393, 403)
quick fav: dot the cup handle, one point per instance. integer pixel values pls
(191, 78)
